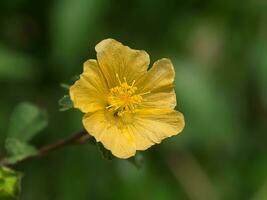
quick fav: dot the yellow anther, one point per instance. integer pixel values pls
(122, 99)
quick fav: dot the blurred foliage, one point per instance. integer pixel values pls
(17, 150)
(25, 122)
(9, 184)
(219, 49)
(65, 103)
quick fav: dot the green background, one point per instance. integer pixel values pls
(219, 49)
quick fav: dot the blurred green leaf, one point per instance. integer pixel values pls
(18, 150)
(71, 82)
(26, 121)
(74, 79)
(16, 66)
(65, 86)
(105, 152)
(9, 184)
(65, 103)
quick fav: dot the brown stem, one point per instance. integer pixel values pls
(78, 138)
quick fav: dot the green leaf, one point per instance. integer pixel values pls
(65, 103)
(70, 83)
(65, 86)
(18, 150)
(26, 121)
(9, 184)
(137, 160)
(75, 78)
(105, 153)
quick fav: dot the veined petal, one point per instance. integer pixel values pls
(151, 126)
(89, 92)
(160, 99)
(158, 83)
(111, 133)
(115, 58)
(158, 79)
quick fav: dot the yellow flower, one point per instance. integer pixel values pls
(127, 107)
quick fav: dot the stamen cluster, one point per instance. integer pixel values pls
(122, 99)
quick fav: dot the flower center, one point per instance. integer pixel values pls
(123, 99)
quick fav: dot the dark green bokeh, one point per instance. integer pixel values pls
(219, 49)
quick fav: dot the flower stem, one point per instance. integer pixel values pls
(78, 138)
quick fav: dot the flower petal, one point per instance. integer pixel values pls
(160, 100)
(111, 133)
(115, 58)
(159, 78)
(158, 81)
(89, 92)
(153, 125)
(146, 128)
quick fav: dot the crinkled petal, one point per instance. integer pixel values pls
(151, 126)
(111, 133)
(89, 92)
(146, 128)
(159, 78)
(115, 58)
(158, 83)
(160, 100)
